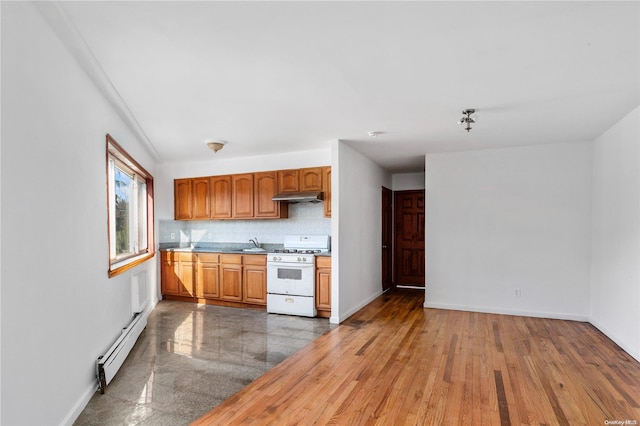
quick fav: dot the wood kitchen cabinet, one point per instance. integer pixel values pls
(323, 286)
(182, 199)
(311, 179)
(326, 185)
(176, 273)
(200, 209)
(186, 275)
(231, 277)
(220, 197)
(254, 279)
(208, 275)
(169, 271)
(288, 181)
(266, 186)
(242, 195)
(214, 278)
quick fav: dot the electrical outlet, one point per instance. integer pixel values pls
(516, 292)
(173, 235)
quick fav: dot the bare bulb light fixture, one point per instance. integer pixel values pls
(215, 144)
(467, 119)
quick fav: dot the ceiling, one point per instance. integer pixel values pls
(273, 77)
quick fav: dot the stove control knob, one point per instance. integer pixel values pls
(304, 259)
(299, 259)
(274, 258)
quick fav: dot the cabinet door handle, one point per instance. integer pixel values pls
(384, 246)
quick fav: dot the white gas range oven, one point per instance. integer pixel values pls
(291, 280)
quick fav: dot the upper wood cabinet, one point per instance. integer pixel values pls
(242, 195)
(182, 199)
(247, 195)
(288, 181)
(220, 197)
(266, 186)
(200, 202)
(311, 179)
(326, 184)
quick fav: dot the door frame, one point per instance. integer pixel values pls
(387, 239)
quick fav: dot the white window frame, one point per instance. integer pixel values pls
(139, 251)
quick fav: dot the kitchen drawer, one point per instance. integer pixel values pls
(209, 257)
(255, 259)
(323, 262)
(231, 259)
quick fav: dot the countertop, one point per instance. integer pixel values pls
(225, 250)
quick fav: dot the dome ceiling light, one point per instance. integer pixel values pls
(215, 144)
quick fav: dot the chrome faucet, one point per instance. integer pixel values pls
(255, 242)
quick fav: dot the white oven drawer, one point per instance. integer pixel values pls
(291, 280)
(291, 305)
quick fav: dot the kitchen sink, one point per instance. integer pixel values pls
(254, 250)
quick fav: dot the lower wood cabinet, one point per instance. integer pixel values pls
(323, 286)
(208, 275)
(254, 279)
(177, 274)
(231, 277)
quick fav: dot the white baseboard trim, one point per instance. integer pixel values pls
(607, 332)
(342, 317)
(77, 408)
(501, 311)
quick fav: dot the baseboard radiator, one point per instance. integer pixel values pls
(107, 365)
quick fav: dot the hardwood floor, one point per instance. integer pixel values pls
(395, 362)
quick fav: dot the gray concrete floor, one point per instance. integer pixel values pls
(192, 357)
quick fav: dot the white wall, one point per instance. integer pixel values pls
(59, 308)
(407, 181)
(615, 270)
(357, 230)
(510, 218)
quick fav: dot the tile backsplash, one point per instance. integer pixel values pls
(304, 218)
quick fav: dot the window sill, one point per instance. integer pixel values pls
(124, 265)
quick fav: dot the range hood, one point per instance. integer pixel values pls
(300, 197)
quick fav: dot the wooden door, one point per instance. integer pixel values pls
(326, 185)
(288, 181)
(186, 275)
(311, 179)
(387, 238)
(207, 276)
(220, 198)
(231, 277)
(169, 273)
(266, 187)
(323, 285)
(242, 187)
(409, 265)
(200, 202)
(254, 279)
(182, 199)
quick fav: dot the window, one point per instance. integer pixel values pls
(130, 207)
